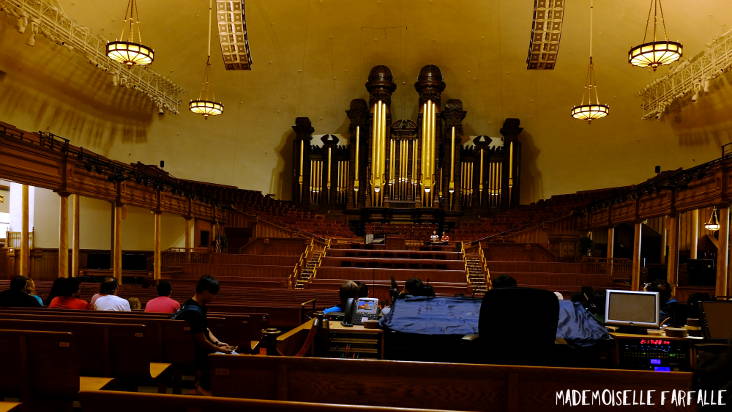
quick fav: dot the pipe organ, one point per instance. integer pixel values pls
(402, 164)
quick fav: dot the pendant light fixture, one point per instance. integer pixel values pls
(128, 48)
(657, 52)
(713, 222)
(590, 108)
(206, 103)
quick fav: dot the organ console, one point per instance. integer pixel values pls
(396, 164)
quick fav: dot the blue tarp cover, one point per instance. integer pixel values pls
(459, 316)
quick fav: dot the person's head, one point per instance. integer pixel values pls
(108, 287)
(18, 283)
(135, 303)
(349, 289)
(164, 288)
(69, 287)
(206, 289)
(663, 289)
(413, 286)
(504, 281)
(363, 289)
(30, 287)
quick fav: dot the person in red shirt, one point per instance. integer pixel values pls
(68, 297)
(163, 303)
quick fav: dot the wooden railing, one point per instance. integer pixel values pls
(13, 240)
(483, 262)
(323, 252)
(300, 263)
(178, 256)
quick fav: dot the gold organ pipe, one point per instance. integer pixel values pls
(374, 146)
(391, 161)
(422, 163)
(355, 178)
(302, 155)
(452, 162)
(480, 181)
(327, 184)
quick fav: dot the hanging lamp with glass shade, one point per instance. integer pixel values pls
(128, 48)
(657, 52)
(713, 222)
(206, 104)
(590, 107)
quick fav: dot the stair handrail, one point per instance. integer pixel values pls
(299, 265)
(320, 258)
(465, 262)
(486, 272)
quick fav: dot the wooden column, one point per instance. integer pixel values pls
(189, 236)
(635, 274)
(63, 236)
(664, 240)
(24, 265)
(75, 225)
(722, 252)
(190, 225)
(157, 263)
(117, 241)
(694, 233)
(672, 260)
(610, 248)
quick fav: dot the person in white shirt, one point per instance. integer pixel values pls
(108, 301)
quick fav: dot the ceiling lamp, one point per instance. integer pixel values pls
(713, 222)
(657, 52)
(206, 103)
(128, 49)
(590, 108)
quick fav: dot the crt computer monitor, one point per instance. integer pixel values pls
(717, 320)
(631, 308)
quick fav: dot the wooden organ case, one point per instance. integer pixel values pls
(403, 164)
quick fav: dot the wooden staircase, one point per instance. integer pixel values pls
(475, 272)
(311, 260)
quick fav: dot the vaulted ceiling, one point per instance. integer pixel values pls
(311, 57)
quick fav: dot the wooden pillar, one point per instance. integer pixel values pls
(635, 274)
(722, 252)
(189, 236)
(63, 236)
(157, 263)
(75, 225)
(24, 234)
(664, 240)
(672, 261)
(117, 242)
(610, 248)
(694, 233)
(190, 227)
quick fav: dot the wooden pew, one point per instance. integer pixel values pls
(423, 384)
(39, 369)
(114, 401)
(104, 349)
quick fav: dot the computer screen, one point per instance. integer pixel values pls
(631, 308)
(367, 305)
(717, 320)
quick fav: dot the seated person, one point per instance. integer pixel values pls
(445, 237)
(194, 312)
(108, 301)
(434, 238)
(135, 303)
(415, 287)
(348, 290)
(68, 297)
(56, 288)
(98, 294)
(504, 281)
(363, 289)
(664, 297)
(163, 303)
(16, 296)
(30, 288)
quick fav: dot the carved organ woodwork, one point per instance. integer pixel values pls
(404, 164)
